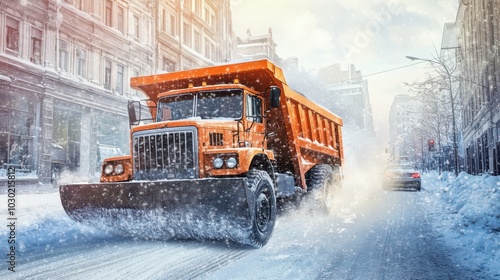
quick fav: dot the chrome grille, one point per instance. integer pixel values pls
(169, 153)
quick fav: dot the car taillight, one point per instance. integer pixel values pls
(415, 175)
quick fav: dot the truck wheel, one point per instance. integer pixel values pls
(261, 185)
(322, 183)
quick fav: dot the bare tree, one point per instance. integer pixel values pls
(437, 93)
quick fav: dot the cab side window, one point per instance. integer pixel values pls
(254, 109)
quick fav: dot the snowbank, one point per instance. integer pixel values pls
(42, 224)
(468, 214)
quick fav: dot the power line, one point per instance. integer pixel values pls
(381, 72)
(393, 69)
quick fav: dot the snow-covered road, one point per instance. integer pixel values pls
(373, 234)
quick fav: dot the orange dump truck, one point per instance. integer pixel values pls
(225, 142)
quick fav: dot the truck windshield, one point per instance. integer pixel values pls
(225, 104)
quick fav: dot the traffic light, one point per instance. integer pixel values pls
(430, 144)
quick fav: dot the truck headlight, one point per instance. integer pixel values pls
(119, 169)
(231, 162)
(108, 169)
(218, 162)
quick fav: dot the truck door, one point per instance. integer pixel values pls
(254, 127)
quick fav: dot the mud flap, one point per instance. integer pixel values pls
(220, 209)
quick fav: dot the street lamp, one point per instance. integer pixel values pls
(455, 144)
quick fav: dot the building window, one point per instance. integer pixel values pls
(107, 74)
(197, 41)
(164, 20)
(77, 3)
(112, 137)
(168, 65)
(36, 46)
(197, 7)
(209, 17)
(81, 60)
(66, 134)
(172, 25)
(119, 78)
(16, 128)
(149, 32)
(136, 27)
(120, 22)
(212, 21)
(212, 54)
(207, 48)
(186, 40)
(187, 4)
(12, 34)
(109, 13)
(63, 56)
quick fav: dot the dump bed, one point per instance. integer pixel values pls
(303, 133)
(258, 75)
(313, 133)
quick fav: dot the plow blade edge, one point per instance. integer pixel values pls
(219, 209)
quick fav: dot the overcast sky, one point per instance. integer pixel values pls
(374, 35)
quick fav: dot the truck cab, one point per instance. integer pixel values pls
(200, 132)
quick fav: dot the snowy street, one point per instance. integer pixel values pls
(373, 234)
(230, 139)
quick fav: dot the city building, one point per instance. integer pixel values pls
(264, 47)
(193, 34)
(65, 68)
(258, 46)
(405, 140)
(478, 31)
(348, 95)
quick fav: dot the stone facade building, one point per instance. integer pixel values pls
(478, 40)
(65, 67)
(192, 33)
(258, 46)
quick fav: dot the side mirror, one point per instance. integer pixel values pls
(132, 116)
(274, 99)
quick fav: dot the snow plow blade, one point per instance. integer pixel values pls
(218, 209)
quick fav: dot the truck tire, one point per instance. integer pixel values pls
(322, 184)
(261, 185)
